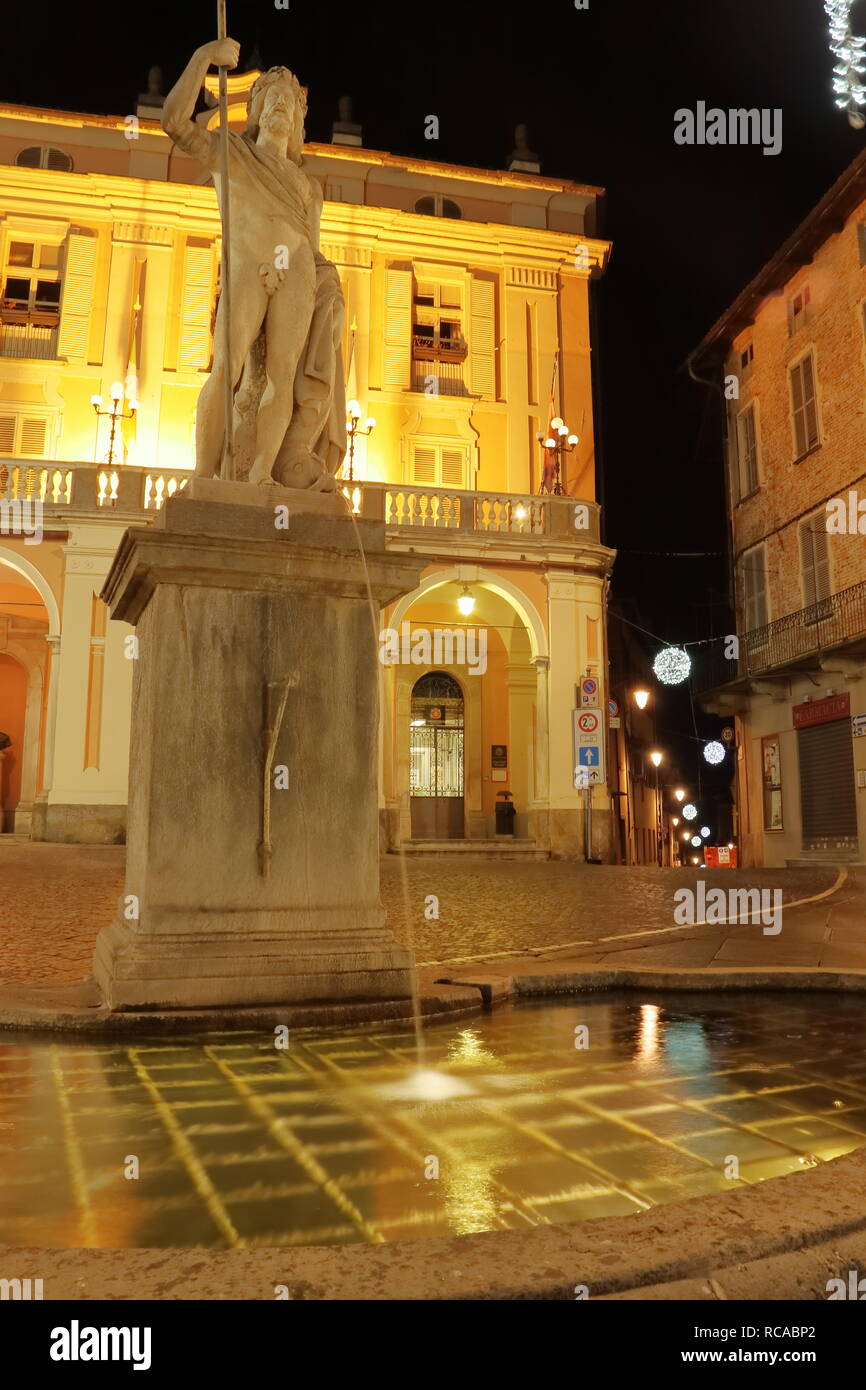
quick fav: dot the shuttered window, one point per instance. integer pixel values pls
(804, 406)
(827, 796)
(482, 338)
(438, 465)
(24, 436)
(747, 444)
(755, 588)
(398, 329)
(75, 305)
(194, 348)
(815, 566)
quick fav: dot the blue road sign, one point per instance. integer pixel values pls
(587, 757)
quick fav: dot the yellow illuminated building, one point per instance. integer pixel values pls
(467, 329)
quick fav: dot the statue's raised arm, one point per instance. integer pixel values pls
(180, 102)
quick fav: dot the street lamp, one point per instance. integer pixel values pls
(656, 759)
(114, 414)
(680, 794)
(353, 428)
(641, 698)
(560, 441)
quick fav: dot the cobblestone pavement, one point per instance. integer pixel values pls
(54, 899)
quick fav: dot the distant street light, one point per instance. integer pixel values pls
(641, 698)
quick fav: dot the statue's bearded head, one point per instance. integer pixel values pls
(278, 103)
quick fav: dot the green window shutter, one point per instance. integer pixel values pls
(194, 347)
(398, 329)
(482, 341)
(77, 298)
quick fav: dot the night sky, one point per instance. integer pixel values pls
(598, 89)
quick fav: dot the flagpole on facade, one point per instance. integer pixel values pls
(227, 466)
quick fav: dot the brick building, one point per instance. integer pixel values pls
(789, 356)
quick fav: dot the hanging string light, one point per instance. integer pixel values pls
(672, 665)
(714, 752)
(851, 65)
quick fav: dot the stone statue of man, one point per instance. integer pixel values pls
(287, 308)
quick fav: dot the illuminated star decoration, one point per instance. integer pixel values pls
(714, 752)
(705, 831)
(696, 840)
(851, 65)
(690, 811)
(672, 665)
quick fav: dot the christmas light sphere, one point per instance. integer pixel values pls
(705, 831)
(690, 812)
(714, 752)
(672, 665)
(696, 840)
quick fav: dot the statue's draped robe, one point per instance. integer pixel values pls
(315, 441)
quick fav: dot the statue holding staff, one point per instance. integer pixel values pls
(287, 307)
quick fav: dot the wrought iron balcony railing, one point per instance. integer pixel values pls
(788, 641)
(28, 340)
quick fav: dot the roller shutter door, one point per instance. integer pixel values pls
(827, 786)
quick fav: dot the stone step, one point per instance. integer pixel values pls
(500, 847)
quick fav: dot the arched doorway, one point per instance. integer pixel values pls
(13, 716)
(436, 758)
(24, 652)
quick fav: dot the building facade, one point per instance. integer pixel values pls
(789, 357)
(467, 328)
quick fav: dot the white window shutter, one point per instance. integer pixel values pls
(78, 274)
(424, 465)
(452, 467)
(34, 430)
(194, 347)
(482, 341)
(398, 329)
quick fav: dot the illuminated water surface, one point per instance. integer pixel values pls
(343, 1138)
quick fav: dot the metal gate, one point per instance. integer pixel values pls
(827, 797)
(436, 759)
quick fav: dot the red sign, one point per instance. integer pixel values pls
(822, 711)
(720, 857)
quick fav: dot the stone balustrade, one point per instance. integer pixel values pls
(93, 489)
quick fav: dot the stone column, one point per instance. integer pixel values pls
(252, 864)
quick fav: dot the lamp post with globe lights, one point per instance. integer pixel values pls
(115, 414)
(353, 429)
(559, 442)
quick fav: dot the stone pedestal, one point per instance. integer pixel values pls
(255, 693)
